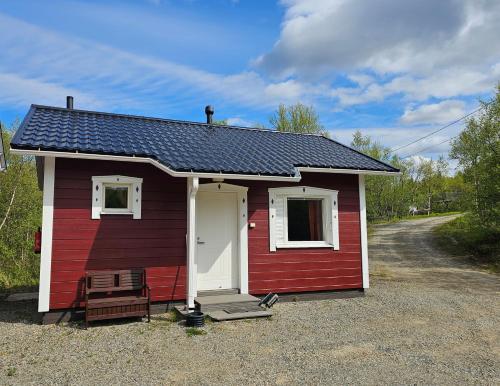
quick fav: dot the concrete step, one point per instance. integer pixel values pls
(218, 302)
(231, 291)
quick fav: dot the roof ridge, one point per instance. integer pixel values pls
(171, 120)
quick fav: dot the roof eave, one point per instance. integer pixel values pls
(159, 165)
(107, 157)
(306, 169)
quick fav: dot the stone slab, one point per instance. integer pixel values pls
(22, 297)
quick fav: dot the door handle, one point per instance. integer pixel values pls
(200, 242)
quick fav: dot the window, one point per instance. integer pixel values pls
(303, 217)
(116, 195)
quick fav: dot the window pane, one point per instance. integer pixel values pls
(305, 220)
(116, 197)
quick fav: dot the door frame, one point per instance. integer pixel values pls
(242, 231)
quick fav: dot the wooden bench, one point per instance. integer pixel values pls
(116, 294)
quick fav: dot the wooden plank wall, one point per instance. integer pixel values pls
(156, 242)
(311, 269)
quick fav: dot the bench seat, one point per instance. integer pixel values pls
(102, 295)
(116, 301)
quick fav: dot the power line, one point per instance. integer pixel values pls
(440, 129)
(429, 147)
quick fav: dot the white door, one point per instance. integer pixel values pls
(217, 240)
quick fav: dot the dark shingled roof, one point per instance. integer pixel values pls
(186, 146)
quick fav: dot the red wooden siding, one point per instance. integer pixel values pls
(311, 269)
(156, 242)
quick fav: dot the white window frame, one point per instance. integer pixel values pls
(278, 221)
(134, 196)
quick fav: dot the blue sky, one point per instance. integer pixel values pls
(395, 70)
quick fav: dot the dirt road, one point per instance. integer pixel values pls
(406, 251)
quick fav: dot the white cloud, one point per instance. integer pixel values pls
(386, 35)
(237, 121)
(442, 84)
(115, 78)
(417, 50)
(19, 91)
(436, 113)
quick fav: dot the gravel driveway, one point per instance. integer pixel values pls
(426, 320)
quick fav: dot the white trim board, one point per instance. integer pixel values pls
(364, 233)
(191, 277)
(174, 173)
(47, 229)
(346, 171)
(153, 162)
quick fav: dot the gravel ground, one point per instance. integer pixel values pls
(409, 329)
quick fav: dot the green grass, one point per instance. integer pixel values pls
(11, 371)
(466, 236)
(193, 331)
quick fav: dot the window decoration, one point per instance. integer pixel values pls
(303, 217)
(116, 195)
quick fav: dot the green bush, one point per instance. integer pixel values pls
(20, 217)
(467, 235)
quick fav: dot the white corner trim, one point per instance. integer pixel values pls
(47, 230)
(364, 233)
(242, 196)
(272, 221)
(192, 272)
(135, 195)
(278, 199)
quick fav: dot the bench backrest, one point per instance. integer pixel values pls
(109, 281)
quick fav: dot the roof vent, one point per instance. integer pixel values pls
(69, 102)
(209, 110)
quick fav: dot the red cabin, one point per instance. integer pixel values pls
(201, 207)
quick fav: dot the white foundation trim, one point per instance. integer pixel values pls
(364, 233)
(192, 189)
(47, 228)
(242, 196)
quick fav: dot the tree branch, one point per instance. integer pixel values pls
(9, 207)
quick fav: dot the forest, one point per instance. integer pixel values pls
(428, 186)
